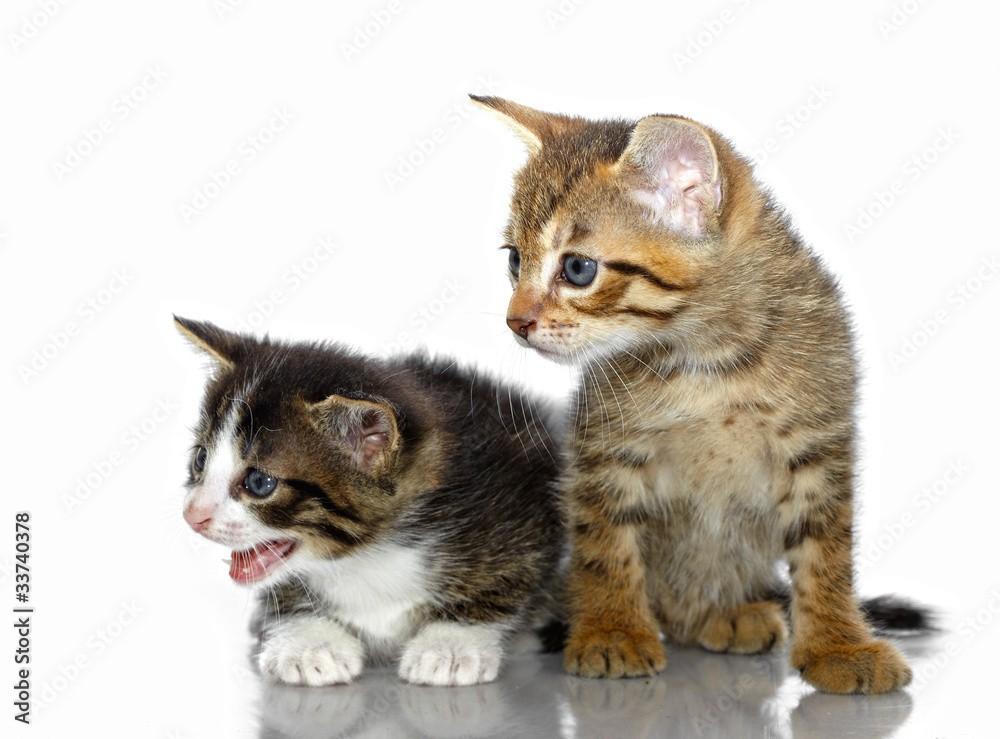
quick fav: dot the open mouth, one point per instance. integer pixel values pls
(253, 565)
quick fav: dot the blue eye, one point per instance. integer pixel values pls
(514, 261)
(200, 457)
(580, 271)
(259, 484)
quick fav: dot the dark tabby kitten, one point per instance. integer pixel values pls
(715, 429)
(398, 508)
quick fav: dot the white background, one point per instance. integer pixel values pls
(848, 99)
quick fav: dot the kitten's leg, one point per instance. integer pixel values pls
(612, 631)
(451, 653)
(832, 646)
(752, 628)
(310, 650)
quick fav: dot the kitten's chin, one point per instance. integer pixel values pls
(569, 358)
(259, 562)
(556, 356)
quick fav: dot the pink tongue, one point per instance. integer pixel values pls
(254, 564)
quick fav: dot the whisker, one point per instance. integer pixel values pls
(625, 385)
(615, 396)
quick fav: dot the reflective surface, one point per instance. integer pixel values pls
(699, 695)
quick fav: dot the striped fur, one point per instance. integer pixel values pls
(418, 499)
(714, 428)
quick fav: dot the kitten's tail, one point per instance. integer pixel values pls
(891, 613)
(885, 613)
(553, 635)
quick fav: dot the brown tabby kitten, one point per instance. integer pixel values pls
(398, 510)
(714, 433)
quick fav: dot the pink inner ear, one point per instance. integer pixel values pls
(371, 446)
(368, 438)
(684, 172)
(680, 162)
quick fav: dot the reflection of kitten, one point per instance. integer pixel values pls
(715, 431)
(389, 507)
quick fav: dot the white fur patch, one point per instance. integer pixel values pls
(222, 462)
(453, 654)
(309, 650)
(375, 591)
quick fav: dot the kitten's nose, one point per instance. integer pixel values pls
(197, 517)
(520, 327)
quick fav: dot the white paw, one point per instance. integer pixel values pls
(311, 652)
(452, 654)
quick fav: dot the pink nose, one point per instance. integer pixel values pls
(520, 326)
(197, 516)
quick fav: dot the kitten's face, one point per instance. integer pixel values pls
(611, 227)
(280, 479)
(231, 498)
(584, 287)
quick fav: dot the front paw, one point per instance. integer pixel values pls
(452, 654)
(753, 628)
(311, 652)
(870, 668)
(614, 653)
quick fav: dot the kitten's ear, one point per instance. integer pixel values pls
(533, 126)
(676, 173)
(368, 427)
(219, 344)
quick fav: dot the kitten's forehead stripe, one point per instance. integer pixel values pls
(551, 235)
(576, 234)
(223, 399)
(548, 178)
(556, 234)
(215, 417)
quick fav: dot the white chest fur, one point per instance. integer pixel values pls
(375, 591)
